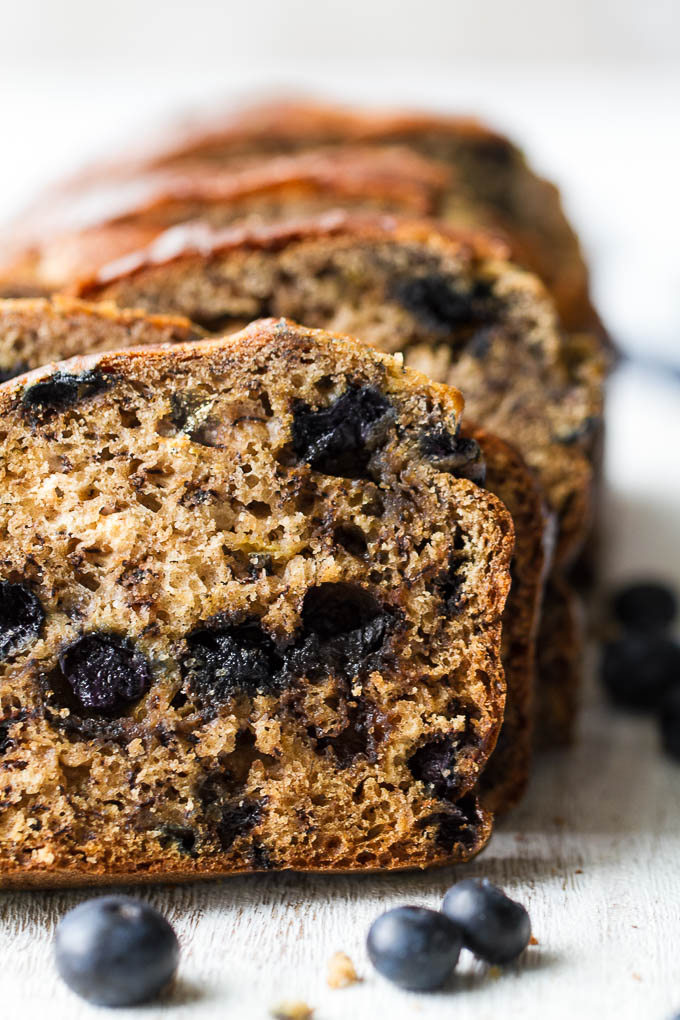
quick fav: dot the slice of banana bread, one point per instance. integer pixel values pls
(34, 331)
(491, 184)
(39, 331)
(457, 310)
(249, 613)
(507, 773)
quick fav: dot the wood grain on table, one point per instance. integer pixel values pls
(593, 852)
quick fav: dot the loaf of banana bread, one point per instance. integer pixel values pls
(65, 238)
(37, 331)
(457, 309)
(250, 613)
(490, 184)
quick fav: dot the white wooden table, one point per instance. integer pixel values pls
(594, 851)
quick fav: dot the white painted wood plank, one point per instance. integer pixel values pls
(594, 853)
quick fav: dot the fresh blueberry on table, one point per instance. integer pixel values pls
(669, 723)
(645, 606)
(414, 947)
(638, 670)
(495, 928)
(115, 951)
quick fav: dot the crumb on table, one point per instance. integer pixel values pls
(292, 1009)
(341, 971)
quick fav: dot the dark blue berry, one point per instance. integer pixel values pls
(63, 390)
(344, 630)
(443, 303)
(669, 723)
(414, 947)
(224, 661)
(21, 617)
(106, 673)
(638, 670)
(646, 606)
(115, 951)
(340, 438)
(457, 455)
(434, 764)
(495, 928)
(238, 818)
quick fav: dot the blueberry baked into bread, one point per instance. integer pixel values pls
(490, 184)
(34, 331)
(455, 307)
(249, 613)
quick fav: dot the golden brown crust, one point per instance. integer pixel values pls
(56, 878)
(34, 331)
(490, 184)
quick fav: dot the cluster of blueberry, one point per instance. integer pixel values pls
(119, 951)
(418, 948)
(641, 667)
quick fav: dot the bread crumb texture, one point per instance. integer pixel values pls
(250, 612)
(293, 1009)
(341, 971)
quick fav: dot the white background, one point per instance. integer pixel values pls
(592, 89)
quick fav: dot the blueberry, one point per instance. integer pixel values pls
(224, 661)
(645, 606)
(450, 584)
(442, 303)
(495, 928)
(237, 819)
(106, 673)
(638, 670)
(339, 439)
(21, 617)
(344, 629)
(459, 824)
(669, 723)
(6, 739)
(434, 764)
(63, 390)
(457, 455)
(414, 947)
(115, 951)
